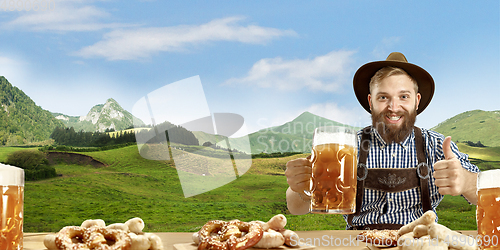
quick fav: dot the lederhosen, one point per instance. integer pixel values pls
(390, 179)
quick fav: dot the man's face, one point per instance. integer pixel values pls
(393, 104)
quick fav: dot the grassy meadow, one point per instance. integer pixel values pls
(131, 186)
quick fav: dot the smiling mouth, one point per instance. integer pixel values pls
(394, 118)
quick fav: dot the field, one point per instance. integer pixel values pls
(132, 186)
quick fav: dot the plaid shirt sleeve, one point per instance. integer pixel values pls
(437, 139)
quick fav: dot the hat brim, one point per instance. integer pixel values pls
(364, 74)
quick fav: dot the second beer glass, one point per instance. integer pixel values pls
(334, 165)
(488, 205)
(11, 207)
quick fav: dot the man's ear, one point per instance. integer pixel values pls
(370, 101)
(418, 100)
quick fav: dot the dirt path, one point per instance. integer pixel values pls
(73, 158)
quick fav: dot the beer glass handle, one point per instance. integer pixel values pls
(308, 193)
(310, 158)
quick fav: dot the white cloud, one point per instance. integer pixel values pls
(65, 16)
(139, 43)
(322, 73)
(385, 47)
(14, 70)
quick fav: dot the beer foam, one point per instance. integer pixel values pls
(488, 179)
(10, 175)
(337, 138)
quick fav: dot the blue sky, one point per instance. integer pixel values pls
(268, 61)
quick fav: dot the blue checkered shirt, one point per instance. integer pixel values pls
(402, 207)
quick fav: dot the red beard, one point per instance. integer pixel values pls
(389, 132)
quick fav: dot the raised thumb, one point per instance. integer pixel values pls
(448, 154)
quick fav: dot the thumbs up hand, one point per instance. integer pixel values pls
(448, 153)
(451, 178)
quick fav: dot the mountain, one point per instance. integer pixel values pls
(302, 126)
(293, 136)
(474, 126)
(100, 118)
(21, 120)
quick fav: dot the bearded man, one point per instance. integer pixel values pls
(394, 92)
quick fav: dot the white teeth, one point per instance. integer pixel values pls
(394, 118)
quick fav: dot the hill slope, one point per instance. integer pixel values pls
(21, 120)
(100, 117)
(475, 125)
(293, 136)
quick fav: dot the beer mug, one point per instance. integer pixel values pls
(11, 207)
(334, 165)
(488, 205)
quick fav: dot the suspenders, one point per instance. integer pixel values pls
(391, 179)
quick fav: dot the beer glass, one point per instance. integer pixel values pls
(488, 205)
(334, 176)
(11, 207)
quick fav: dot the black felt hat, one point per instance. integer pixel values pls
(361, 81)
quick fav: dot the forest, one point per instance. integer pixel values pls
(70, 137)
(21, 120)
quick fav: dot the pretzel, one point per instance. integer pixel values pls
(232, 235)
(253, 235)
(97, 238)
(94, 235)
(384, 237)
(238, 235)
(207, 241)
(64, 238)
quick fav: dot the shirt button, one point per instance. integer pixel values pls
(390, 199)
(394, 155)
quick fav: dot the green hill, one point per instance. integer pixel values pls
(486, 154)
(303, 125)
(474, 126)
(21, 120)
(293, 136)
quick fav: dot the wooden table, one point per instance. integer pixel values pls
(338, 239)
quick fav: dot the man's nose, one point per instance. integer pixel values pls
(394, 105)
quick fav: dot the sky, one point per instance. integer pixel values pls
(267, 61)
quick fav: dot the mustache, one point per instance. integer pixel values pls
(387, 112)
